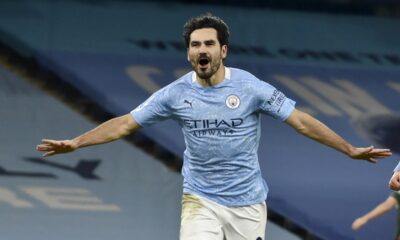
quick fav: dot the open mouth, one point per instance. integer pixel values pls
(203, 61)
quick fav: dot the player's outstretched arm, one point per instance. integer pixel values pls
(106, 132)
(314, 129)
(382, 208)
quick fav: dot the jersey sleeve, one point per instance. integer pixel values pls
(397, 168)
(153, 110)
(273, 102)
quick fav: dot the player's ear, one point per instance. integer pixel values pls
(224, 51)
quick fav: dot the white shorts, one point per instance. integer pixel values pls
(202, 219)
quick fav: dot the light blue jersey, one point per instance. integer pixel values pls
(397, 168)
(221, 128)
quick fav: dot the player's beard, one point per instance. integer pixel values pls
(210, 71)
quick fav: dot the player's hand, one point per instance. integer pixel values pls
(394, 182)
(358, 223)
(369, 154)
(52, 147)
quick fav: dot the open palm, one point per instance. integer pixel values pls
(52, 147)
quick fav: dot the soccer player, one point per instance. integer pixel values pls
(218, 109)
(392, 201)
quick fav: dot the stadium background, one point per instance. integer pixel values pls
(70, 64)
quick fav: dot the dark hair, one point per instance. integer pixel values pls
(206, 21)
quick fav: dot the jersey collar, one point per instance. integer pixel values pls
(227, 74)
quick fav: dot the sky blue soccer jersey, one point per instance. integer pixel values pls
(397, 168)
(221, 128)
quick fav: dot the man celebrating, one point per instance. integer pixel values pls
(218, 109)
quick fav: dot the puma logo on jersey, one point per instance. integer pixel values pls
(187, 102)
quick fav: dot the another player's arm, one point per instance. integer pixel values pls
(382, 208)
(106, 132)
(316, 130)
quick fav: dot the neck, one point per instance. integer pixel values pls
(218, 77)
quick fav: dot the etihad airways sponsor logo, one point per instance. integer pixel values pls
(213, 127)
(212, 123)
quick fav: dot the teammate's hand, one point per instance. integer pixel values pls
(358, 223)
(369, 154)
(394, 182)
(52, 147)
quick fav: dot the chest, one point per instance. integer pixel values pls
(216, 106)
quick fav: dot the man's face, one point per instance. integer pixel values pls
(205, 53)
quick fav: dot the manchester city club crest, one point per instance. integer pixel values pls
(232, 101)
